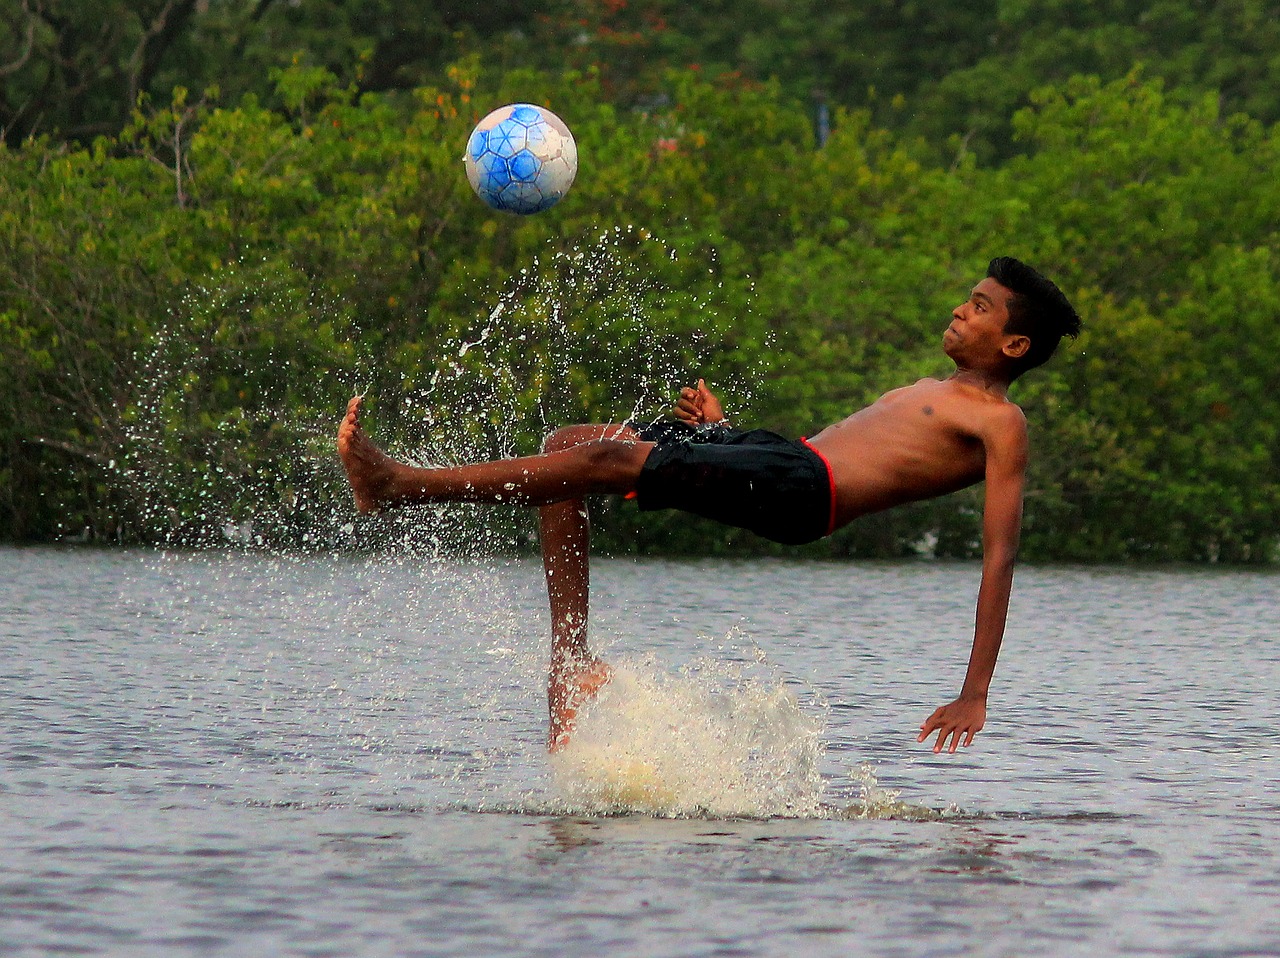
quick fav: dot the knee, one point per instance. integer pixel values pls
(566, 437)
(615, 462)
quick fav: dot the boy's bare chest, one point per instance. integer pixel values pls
(931, 407)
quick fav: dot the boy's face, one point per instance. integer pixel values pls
(976, 336)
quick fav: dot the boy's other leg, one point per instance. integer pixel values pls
(565, 527)
(578, 460)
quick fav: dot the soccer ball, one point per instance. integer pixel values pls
(521, 159)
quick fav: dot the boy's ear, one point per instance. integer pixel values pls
(1016, 347)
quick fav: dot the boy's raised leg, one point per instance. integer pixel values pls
(605, 463)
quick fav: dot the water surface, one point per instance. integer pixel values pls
(214, 754)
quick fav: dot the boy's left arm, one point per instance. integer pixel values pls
(698, 405)
(1006, 449)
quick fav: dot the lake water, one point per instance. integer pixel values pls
(209, 754)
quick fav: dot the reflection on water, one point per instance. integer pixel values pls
(204, 753)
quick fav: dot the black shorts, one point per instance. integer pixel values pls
(778, 488)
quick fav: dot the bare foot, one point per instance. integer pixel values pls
(369, 470)
(578, 685)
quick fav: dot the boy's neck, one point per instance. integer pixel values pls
(986, 380)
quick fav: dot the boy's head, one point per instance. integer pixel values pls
(1037, 309)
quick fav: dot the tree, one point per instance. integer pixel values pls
(75, 68)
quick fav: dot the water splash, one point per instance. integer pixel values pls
(877, 802)
(228, 441)
(710, 739)
(595, 332)
(227, 435)
(714, 739)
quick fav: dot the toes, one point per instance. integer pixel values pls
(351, 421)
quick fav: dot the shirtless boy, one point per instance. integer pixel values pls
(913, 443)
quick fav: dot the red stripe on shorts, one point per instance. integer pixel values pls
(831, 485)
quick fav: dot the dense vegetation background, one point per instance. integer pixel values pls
(219, 217)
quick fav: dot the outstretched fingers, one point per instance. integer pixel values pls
(956, 725)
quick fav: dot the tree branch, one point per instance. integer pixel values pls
(164, 26)
(71, 450)
(18, 64)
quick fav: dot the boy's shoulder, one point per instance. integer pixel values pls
(987, 414)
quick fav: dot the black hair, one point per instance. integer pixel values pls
(1037, 309)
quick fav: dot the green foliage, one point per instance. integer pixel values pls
(954, 73)
(185, 306)
(1223, 49)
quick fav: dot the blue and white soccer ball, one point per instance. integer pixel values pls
(521, 159)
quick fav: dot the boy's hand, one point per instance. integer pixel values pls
(963, 718)
(698, 405)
